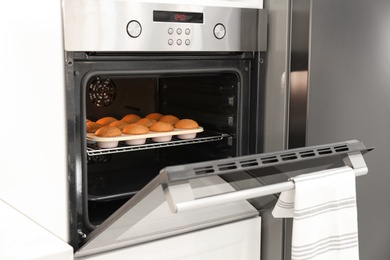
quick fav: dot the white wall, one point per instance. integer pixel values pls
(33, 159)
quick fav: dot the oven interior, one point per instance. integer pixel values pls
(115, 175)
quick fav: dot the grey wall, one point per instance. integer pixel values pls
(349, 98)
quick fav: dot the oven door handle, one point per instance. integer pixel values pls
(180, 198)
(183, 206)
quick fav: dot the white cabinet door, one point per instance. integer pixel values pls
(235, 241)
(21, 238)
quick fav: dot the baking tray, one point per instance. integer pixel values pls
(107, 142)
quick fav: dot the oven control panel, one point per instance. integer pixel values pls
(183, 36)
(98, 25)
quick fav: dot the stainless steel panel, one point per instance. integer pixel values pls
(286, 63)
(98, 25)
(277, 66)
(349, 94)
(300, 20)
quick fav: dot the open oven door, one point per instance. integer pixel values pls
(200, 196)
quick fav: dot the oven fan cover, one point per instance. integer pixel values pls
(102, 92)
(103, 96)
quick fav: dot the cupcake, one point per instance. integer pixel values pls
(169, 119)
(105, 121)
(146, 122)
(108, 131)
(120, 124)
(92, 127)
(186, 124)
(155, 116)
(162, 127)
(131, 118)
(135, 129)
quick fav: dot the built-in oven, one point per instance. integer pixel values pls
(123, 57)
(203, 63)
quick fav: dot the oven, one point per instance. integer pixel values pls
(142, 58)
(204, 63)
(212, 90)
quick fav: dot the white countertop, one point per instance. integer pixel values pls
(21, 238)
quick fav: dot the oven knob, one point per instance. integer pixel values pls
(219, 31)
(134, 29)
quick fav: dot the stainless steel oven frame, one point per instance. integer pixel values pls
(81, 66)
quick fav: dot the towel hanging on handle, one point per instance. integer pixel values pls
(323, 207)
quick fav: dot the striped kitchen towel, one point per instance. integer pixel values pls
(323, 207)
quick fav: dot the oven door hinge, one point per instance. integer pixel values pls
(81, 234)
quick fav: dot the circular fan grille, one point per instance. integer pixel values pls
(102, 92)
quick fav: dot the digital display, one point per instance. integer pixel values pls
(177, 17)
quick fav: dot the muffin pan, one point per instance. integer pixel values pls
(111, 142)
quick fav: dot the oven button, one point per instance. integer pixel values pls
(188, 31)
(170, 41)
(187, 42)
(219, 31)
(134, 29)
(178, 31)
(179, 42)
(170, 30)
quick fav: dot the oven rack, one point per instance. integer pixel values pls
(203, 137)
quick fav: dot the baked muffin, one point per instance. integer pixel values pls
(186, 124)
(87, 120)
(120, 124)
(131, 118)
(135, 129)
(155, 116)
(105, 121)
(162, 127)
(169, 119)
(92, 127)
(108, 131)
(146, 122)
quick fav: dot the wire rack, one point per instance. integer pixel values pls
(204, 137)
